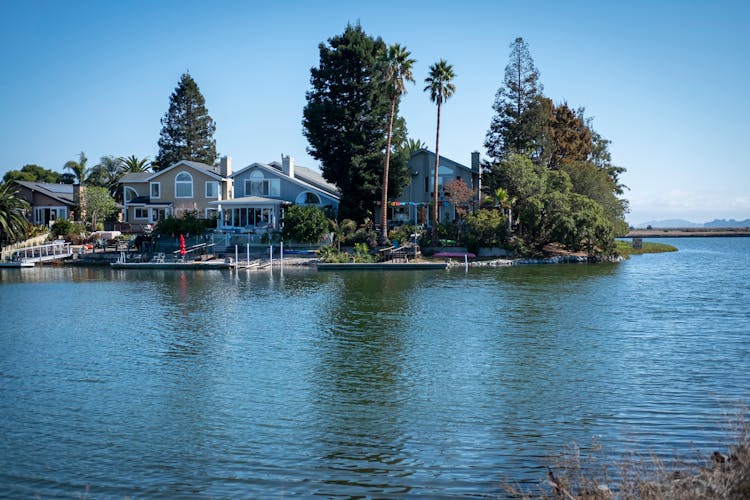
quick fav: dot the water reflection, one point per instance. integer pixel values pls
(359, 381)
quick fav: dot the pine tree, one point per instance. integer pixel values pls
(346, 122)
(515, 128)
(187, 129)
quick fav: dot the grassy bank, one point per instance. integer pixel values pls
(625, 248)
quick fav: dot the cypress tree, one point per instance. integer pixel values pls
(187, 129)
(346, 122)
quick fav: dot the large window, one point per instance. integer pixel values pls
(307, 198)
(258, 185)
(444, 175)
(156, 190)
(212, 189)
(129, 193)
(140, 213)
(183, 185)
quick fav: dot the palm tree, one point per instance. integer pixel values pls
(13, 224)
(414, 145)
(78, 167)
(106, 174)
(504, 200)
(396, 71)
(133, 164)
(440, 88)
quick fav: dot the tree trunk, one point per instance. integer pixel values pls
(435, 209)
(384, 198)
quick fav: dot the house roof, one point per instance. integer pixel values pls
(443, 159)
(136, 177)
(201, 167)
(302, 176)
(249, 200)
(60, 192)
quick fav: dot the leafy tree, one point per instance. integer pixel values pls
(346, 120)
(13, 224)
(595, 183)
(570, 137)
(519, 106)
(78, 168)
(459, 195)
(305, 223)
(133, 164)
(395, 66)
(440, 86)
(32, 173)
(99, 204)
(187, 129)
(485, 228)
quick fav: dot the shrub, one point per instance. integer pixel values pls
(188, 224)
(486, 228)
(402, 234)
(305, 224)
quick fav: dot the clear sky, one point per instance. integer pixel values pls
(666, 81)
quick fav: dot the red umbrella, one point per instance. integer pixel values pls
(182, 245)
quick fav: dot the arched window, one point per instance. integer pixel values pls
(307, 198)
(258, 185)
(130, 193)
(183, 185)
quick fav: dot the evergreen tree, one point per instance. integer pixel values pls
(570, 137)
(346, 122)
(515, 128)
(187, 129)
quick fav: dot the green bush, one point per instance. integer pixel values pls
(305, 224)
(485, 228)
(71, 231)
(332, 255)
(188, 224)
(402, 234)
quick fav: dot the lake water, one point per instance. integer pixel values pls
(217, 384)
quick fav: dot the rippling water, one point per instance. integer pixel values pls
(376, 384)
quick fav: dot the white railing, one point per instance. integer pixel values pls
(8, 251)
(40, 253)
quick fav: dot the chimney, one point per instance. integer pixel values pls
(225, 166)
(287, 165)
(475, 161)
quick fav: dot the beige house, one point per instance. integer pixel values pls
(186, 186)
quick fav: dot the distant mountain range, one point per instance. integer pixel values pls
(681, 223)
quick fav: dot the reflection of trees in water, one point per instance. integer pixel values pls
(359, 384)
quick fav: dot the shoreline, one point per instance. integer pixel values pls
(688, 232)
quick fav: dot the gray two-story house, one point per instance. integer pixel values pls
(262, 189)
(414, 206)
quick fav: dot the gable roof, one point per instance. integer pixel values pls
(135, 177)
(60, 192)
(195, 165)
(442, 159)
(303, 176)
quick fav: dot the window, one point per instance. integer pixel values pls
(129, 193)
(156, 190)
(444, 175)
(140, 213)
(257, 185)
(307, 198)
(183, 185)
(212, 189)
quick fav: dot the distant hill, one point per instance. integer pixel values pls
(728, 223)
(670, 223)
(681, 223)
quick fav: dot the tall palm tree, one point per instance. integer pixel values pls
(133, 164)
(78, 167)
(13, 224)
(440, 88)
(395, 67)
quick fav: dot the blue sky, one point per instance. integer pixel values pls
(666, 81)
